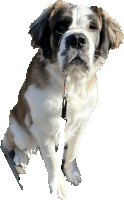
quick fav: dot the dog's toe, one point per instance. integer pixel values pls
(21, 158)
(72, 173)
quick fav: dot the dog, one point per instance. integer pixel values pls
(74, 42)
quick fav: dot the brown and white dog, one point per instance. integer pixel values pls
(74, 41)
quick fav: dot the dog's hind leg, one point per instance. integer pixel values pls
(10, 150)
(18, 139)
(8, 141)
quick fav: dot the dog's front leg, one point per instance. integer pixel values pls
(47, 149)
(50, 159)
(70, 167)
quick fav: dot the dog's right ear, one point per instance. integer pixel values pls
(40, 31)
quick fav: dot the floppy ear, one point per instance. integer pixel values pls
(40, 31)
(115, 33)
(111, 35)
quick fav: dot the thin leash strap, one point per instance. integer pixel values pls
(64, 103)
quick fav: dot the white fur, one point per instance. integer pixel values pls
(25, 142)
(61, 186)
(21, 136)
(80, 17)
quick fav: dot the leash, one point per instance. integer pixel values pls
(64, 103)
(15, 169)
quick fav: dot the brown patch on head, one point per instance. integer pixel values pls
(116, 35)
(56, 6)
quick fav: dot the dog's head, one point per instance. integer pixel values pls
(75, 35)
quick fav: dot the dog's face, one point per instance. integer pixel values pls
(76, 36)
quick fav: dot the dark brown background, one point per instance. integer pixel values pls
(100, 155)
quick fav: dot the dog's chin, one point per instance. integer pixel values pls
(77, 64)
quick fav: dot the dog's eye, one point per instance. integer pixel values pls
(60, 27)
(93, 26)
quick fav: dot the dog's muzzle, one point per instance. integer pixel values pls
(76, 48)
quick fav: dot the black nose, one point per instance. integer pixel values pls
(77, 40)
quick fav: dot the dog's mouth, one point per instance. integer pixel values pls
(77, 60)
(74, 64)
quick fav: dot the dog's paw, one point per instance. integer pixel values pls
(21, 158)
(61, 187)
(51, 181)
(72, 173)
(51, 186)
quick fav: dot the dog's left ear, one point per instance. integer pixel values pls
(115, 33)
(111, 35)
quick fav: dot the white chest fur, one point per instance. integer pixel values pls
(46, 106)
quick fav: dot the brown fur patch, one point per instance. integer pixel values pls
(21, 108)
(116, 35)
(56, 6)
(91, 82)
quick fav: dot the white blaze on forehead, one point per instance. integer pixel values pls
(80, 16)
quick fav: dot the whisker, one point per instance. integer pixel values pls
(101, 52)
(52, 50)
(59, 33)
(96, 55)
(53, 60)
(95, 59)
(97, 50)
